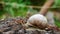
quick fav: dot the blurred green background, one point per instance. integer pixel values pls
(14, 8)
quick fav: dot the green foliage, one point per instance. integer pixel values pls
(17, 7)
(37, 2)
(57, 22)
(56, 4)
(12, 6)
(1, 12)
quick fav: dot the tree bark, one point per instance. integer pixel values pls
(46, 6)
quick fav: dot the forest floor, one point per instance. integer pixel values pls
(14, 26)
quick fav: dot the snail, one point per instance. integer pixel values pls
(37, 20)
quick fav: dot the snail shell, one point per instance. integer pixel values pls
(37, 20)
